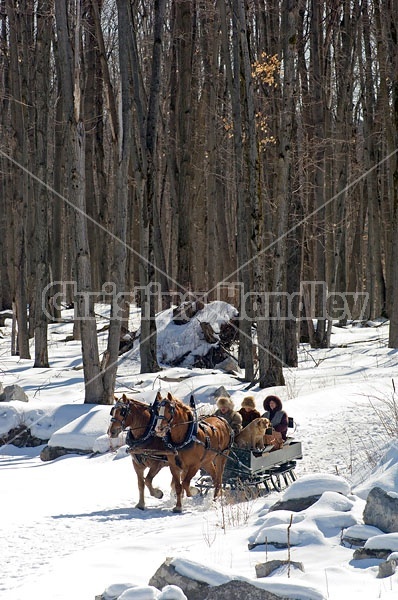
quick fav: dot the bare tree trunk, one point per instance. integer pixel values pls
(345, 52)
(385, 18)
(118, 271)
(104, 176)
(393, 28)
(393, 334)
(243, 207)
(210, 53)
(276, 343)
(318, 118)
(91, 81)
(148, 348)
(42, 81)
(56, 235)
(184, 54)
(376, 282)
(6, 220)
(146, 170)
(20, 200)
(70, 70)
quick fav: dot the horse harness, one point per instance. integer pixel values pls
(124, 410)
(194, 425)
(158, 414)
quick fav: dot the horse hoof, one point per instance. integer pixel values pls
(157, 493)
(140, 506)
(193, 491)
(177, 509)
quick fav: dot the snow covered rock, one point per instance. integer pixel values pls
(378, 546)
(20, 437)
(83, 432)
(52, 452)
(265, 569)
(281, 536)
(237, 590)
(381, 510)
(309, 489)
(229, 365)
(294, 504)
(10, 418)
(114, 591)
(13, 393)
(357, 535)
(386, 541)
(221, 392)
(213, 585)
(316, 484)
(189, 342)
(167, 574)
(387, 568)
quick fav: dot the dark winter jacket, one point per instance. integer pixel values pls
(248, 415)
(278, 416)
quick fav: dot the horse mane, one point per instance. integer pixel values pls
(142, 416)
(125, 400)
(178, 402)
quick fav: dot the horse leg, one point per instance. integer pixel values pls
(215, 469)
(153, 471)
(211, 470)
(219, 464)
(186, 481)
(139, 469)
(176, 484)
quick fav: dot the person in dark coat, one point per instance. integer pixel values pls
(275, 413)
(248, 411)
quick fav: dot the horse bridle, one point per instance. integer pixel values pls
(124, 410)
(160, 416)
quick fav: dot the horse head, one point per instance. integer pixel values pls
(165, 409)
(119, 413)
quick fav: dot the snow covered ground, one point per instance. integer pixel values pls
(69, 529)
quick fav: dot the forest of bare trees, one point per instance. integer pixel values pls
(241, 150)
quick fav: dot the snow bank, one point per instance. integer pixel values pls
(315, 485)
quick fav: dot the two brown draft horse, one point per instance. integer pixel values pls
(147, 451)
(200, 444)
(168, 433)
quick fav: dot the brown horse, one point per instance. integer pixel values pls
(147, 451)
(202, 444)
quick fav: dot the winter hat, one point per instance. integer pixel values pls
(222, 401)
(249, 402)
(269, 399)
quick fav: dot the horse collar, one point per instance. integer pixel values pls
(131, 441)
(189, 438)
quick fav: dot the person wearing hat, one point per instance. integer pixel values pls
(275, 413)
(248, 411)
(226, 410)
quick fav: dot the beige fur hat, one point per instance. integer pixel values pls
(249, 402)
(223, 401)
